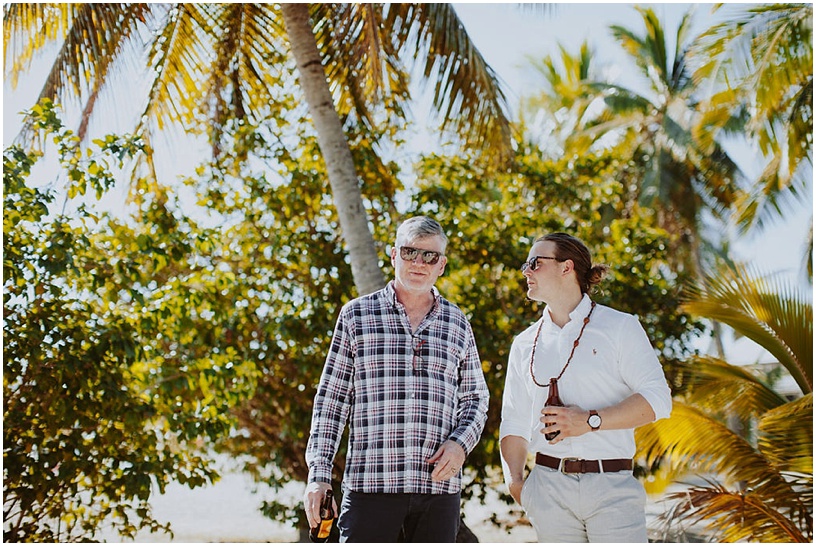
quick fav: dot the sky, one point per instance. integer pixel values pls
(507, 34)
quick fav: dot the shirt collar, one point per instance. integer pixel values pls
(391, 295)
(581, 310)
(576, 315)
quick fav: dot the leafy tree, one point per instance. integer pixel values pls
(218, 58)
(279, 230)
(110, 387)
(762, 484)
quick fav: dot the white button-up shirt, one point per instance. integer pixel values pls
(613, 361)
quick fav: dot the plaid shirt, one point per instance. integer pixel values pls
(405, 394)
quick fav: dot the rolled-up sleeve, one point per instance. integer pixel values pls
(641, 368)
(517, 403)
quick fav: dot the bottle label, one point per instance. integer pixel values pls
(325, 528)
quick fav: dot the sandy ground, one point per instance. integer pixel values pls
(228, 512)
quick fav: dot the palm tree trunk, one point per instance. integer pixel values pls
(336, 153)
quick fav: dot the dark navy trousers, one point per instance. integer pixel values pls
(398, 517)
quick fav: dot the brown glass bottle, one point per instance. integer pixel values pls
(553, 400)
(323, 530)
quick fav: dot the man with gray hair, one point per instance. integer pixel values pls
(403, 370)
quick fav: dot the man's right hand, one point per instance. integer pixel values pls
(312, 498)
(515, 488)
(514, 456)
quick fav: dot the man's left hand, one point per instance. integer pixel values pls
(570, 420)
(448, 459)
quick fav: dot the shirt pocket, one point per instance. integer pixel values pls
(441, 361)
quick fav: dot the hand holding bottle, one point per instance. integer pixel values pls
(321, 531)
(313, 497)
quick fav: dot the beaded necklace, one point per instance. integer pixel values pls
(574, 346)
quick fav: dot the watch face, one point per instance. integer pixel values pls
(594, 420)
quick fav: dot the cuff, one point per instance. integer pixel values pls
(319, 473)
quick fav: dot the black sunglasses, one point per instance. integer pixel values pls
(409, 254)
(532, 263)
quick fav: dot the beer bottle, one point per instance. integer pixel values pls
(323, 529)
(553, 400)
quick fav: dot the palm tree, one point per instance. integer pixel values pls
(760, 64)
(565, 99)
(762, 489)
(217, 56)
(682, 179)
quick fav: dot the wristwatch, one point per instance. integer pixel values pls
(594, 420)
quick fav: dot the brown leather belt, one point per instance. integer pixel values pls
(580, 466)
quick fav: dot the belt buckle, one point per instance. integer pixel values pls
(562, 467)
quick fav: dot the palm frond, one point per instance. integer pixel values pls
(245, 43)
(692, 442)
(93, 36)
(178, 55)
(625, 111)
(654, 42)
(737, 516)
(29, 27)
(96, 36)
(362, 65)
(465, 89)
(763, 56)
(754, 38)
(721, 388)
(650, 54)
(263, 56)
(225, 26)
(566, 85)
(775, 190)
(567, 98)
(634, 45)
(623, 101)
(774, 315)
(680, 76)
(787, 436)
(722, 111)
(782, 33)
(768, 468)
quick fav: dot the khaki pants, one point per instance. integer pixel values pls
(605, 507)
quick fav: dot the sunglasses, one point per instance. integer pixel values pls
(532, 263)
(409, 254)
